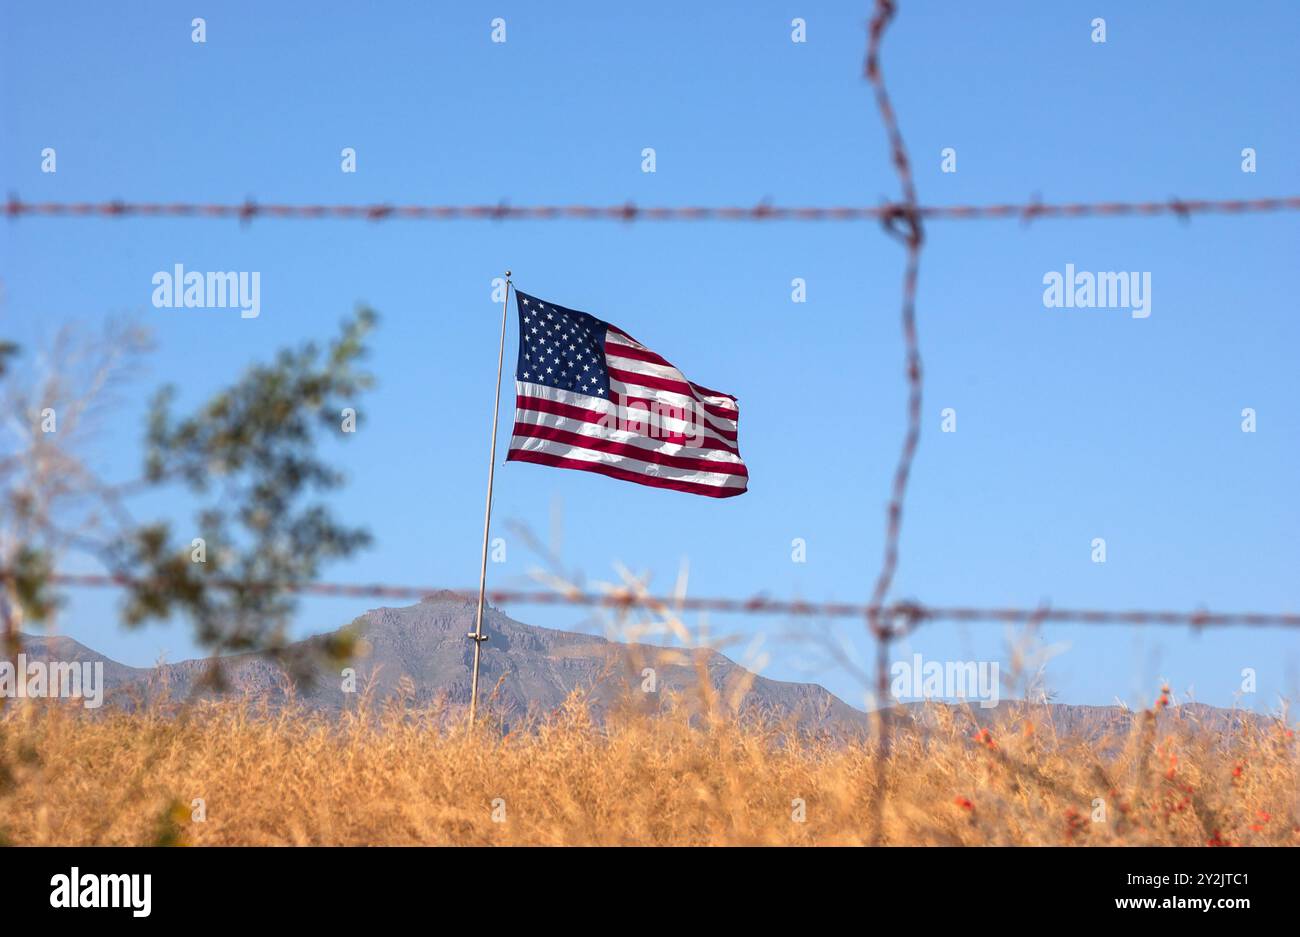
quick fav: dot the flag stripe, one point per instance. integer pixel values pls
(546, 453)
(629, 395)
(609, 420)
(666, 383)
(723, 438)
(630, 408)
(725, 419)
(605, 446)
(719, 459)
(618, 347)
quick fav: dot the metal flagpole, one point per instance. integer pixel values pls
(477, 635)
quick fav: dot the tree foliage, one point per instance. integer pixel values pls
(250, 459)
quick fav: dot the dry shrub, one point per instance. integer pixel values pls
(396, 776)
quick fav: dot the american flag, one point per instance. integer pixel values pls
(590, 397)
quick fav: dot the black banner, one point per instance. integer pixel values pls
(140, 887)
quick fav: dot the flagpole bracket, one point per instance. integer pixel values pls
(476, 637)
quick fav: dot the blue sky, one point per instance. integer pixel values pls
(1072, 423)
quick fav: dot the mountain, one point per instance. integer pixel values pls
(54, 647)
(1096, 724)
(420, 656)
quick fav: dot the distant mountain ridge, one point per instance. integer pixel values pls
(419, 655)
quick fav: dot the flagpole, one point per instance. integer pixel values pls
(477, 635)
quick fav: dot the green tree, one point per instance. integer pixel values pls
(248, 457)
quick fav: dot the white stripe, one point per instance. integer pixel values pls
(644, 367)
(623, 413)
(612, 336)
(672, 372)
(671, 398)
(560, 450)
(572, 397)
(592, 430)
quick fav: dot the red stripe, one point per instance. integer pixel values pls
(677, 387)
(640, 354)
(597, 444)
(648, 356)
(712, 437)
(727, 438)
(546, 405)
(715, 393)
(542, 458)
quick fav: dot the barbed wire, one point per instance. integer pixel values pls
(755, 605)
(906, 226)
(16, 208)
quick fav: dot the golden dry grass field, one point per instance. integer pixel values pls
(397, 777)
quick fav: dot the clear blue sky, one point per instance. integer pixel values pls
(1072, 424)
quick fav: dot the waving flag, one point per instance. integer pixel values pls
(592, 398)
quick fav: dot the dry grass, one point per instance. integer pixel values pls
(404, 778)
